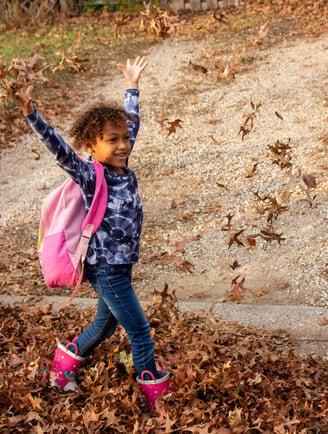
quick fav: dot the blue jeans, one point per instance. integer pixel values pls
(118, 303)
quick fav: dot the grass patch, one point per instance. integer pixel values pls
(74, 37)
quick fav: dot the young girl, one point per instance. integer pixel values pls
(108, 134)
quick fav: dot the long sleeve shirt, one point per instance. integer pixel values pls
(117, 239)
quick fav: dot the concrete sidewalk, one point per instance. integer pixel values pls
(301, 322)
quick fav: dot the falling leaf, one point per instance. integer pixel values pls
(250, 170)
(37, 153)
(227, 226)
(235, 294)
(245, 129)
(187, 266)
(236, 288)
(251, 243)
(198, 68)
(310, 181)
(322, 321)
(222, 186)
(174, 125)
(234, 265)
(248, 124)
(74, 63)
(269, 235)
(33, 61)
(281, 152)
(234, 238)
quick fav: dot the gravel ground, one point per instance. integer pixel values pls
(194, 178)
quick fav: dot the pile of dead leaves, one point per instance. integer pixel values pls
(225, 379)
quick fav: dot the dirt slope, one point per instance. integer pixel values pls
(182, 175)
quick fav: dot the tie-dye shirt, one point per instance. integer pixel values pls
(118, 237)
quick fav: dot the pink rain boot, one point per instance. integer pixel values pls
(153, 389)
(65, 366)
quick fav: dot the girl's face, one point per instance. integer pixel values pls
(113, 148)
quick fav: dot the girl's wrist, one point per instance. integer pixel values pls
(132, 84)
(28, 110)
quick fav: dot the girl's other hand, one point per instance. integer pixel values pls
(25, 101)
(132, 71)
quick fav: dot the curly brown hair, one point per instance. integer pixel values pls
(90, 124)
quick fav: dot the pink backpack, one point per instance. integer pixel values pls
(65, 231)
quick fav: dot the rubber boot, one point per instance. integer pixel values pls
(65, 366)
(154, 388)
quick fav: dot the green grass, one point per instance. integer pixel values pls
(85, 35)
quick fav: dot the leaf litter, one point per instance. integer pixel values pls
(224, 378)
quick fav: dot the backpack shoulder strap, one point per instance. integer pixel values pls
(99, 202)
(92, 220)
(96, 212)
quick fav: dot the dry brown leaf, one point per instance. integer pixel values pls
(250, 170)
(173, 126)
(260, 291)
(251, 243)
(199, 68)
(322, 321)
(310, 181)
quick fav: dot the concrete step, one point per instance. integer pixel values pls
(301, 322)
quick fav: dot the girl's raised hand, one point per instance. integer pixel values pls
(25, 101)
(132, 71)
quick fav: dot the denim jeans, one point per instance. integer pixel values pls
(118, 303)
